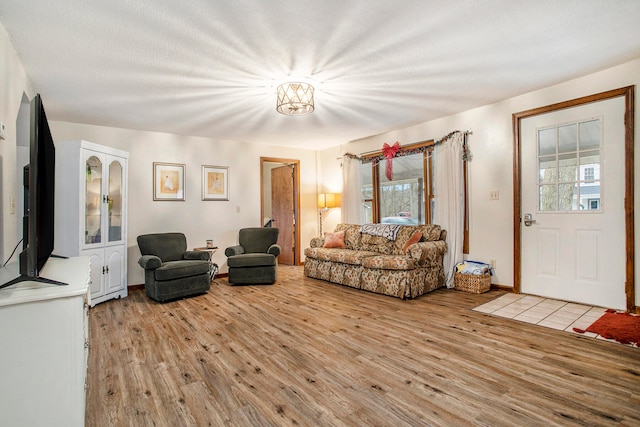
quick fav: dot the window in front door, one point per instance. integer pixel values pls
(569, 162)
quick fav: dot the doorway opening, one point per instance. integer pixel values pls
(280, 204)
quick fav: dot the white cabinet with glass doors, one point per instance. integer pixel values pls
(91, 211)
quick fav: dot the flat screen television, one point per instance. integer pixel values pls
(38, 230)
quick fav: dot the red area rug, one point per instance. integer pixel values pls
(622, 327)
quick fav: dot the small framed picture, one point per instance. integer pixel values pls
(168, 181)
(215, 182)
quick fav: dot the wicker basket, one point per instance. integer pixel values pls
(472, 282)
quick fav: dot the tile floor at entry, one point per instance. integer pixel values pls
(560, 315)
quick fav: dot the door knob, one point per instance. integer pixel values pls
(528, 220)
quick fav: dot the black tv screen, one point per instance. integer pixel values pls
(42, 180)
(38, 232)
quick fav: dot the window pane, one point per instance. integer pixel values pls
(115, 201)
(590, 135)
(93, 200)
(590, 192)
(590, 160)
(567, 138)
(546, 142)
(548, 170)
(548, 198)
(567, 168)
(367, 212)
(402, 199)
(567, 197)
(590, 180)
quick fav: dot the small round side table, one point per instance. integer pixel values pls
(213, 267)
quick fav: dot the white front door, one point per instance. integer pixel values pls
(573, 246)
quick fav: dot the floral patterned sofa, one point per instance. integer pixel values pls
(379, 261)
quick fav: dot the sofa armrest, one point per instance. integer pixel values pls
(196, 255)
(149, 262)
(274, 250)
(234, 250)
(428, 253)
(317, 242)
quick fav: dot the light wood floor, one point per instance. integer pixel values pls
(304, 352)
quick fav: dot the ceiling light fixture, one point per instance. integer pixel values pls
(295, 98)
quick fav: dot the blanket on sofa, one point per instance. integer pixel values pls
(388, 231)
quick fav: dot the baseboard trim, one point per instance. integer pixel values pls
(141, 286)
(497, 287)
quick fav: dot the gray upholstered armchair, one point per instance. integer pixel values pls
(253, 260)
(170, 271)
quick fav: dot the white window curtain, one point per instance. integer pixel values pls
(351, 191)
(449, 199)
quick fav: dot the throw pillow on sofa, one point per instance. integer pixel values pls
(334, 240)
(415, 238)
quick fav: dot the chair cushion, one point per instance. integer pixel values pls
(344, 256)
(256, 239)
(178, 269)
(166, 246)
(251, 260)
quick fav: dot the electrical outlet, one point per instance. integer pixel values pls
(12, 205)
(494, 195)
(493, 264)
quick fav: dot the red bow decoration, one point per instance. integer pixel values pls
(389, 152)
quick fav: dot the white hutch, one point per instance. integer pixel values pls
(91, 213)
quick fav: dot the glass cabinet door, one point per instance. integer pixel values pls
(115, 201)
(93, 201)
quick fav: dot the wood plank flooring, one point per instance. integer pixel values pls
(304, 352)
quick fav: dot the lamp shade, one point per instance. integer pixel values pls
(329, 200)
(295, 98)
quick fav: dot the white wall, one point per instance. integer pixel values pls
(14, 84)
(491, 222)
(199, 220)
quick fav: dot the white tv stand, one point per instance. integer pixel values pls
(43, 346)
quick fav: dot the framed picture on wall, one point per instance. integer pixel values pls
(168, 181)
(215, 182)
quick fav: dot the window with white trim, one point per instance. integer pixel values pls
(569, 162)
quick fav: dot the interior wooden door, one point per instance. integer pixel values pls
(283, 211)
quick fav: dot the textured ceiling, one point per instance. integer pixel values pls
(208, 67)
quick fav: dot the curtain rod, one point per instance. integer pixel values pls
(466, 132)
